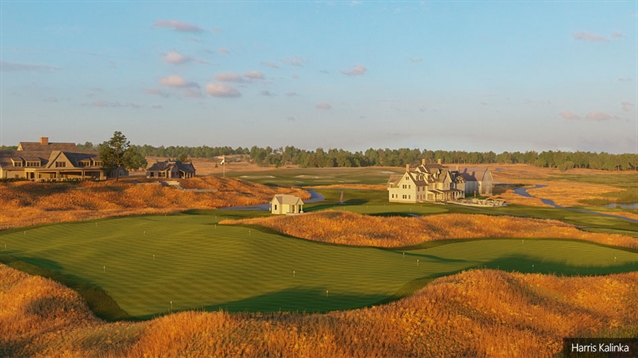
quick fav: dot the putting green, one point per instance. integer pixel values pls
(146, 262)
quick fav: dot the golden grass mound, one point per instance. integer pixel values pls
(342, 227)
(29, 203)
(479, 313)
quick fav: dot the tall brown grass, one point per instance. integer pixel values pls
(479, 313)
(27, 203)
(342, 227)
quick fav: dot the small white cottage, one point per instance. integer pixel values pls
(286, 204)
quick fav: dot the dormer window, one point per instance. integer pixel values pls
(17, 164)
(97, 163)
(33, 163)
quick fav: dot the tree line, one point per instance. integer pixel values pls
(333, 157)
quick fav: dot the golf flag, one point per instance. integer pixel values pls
(223, 160)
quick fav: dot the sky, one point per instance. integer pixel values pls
(449, 75)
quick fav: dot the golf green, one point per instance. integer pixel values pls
(152, 264)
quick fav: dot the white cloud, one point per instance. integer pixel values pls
(599, 116)
(569, 115)
(266, 93)
(292, 94)
(617, 34)
(178, 26)
(269, 64)
(177, 81)
(323, 106)
(254, 75)
(586, 36)
(416, 59)
(229, 77)
(626, 106)
(156, 92)
(176, 58)
(223, 51)
(221, 90)
(294, 61)
(357, 70)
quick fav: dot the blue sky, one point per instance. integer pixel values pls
(471, 75)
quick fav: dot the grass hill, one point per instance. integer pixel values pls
(479, 313)
(342, 227)
(28, 203)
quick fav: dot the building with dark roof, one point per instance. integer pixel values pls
(170, 169)
(436, 182)
(45, 161)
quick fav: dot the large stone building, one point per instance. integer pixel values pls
(436, 182)
(46, 161)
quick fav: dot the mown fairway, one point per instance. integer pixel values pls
(199, 264)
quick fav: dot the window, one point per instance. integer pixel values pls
(33, 164)
(60, 164)
(98, 163)
(17, 164)
(275, 206)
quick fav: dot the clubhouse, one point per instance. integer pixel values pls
(435, 182)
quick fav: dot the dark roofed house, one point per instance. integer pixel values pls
(45, 161)
(45, 145)
(436, 182)
(170, 169)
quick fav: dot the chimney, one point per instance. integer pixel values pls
(44, 140)
(423, 161)
(439, 161)
(407, 168)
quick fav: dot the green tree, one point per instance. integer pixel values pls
(117, 153)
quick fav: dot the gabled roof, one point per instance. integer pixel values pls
(77, 157)
(36, 146)
(6, 157)
(169, 164)
(287, 199)
(185, 167)
(473, 173)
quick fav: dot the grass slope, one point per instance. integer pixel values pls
(199, 264)
(373, 202)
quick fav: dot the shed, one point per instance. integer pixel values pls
(286, 204)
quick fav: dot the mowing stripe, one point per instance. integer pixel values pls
(199, 265)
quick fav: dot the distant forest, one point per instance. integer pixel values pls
(321, 158)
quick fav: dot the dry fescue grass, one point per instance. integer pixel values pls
(480, 313)
(342, 227)
(512, 198)
(351, 186)
(563, 193)
(27, 203)
(571, 194)
(524, 173)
